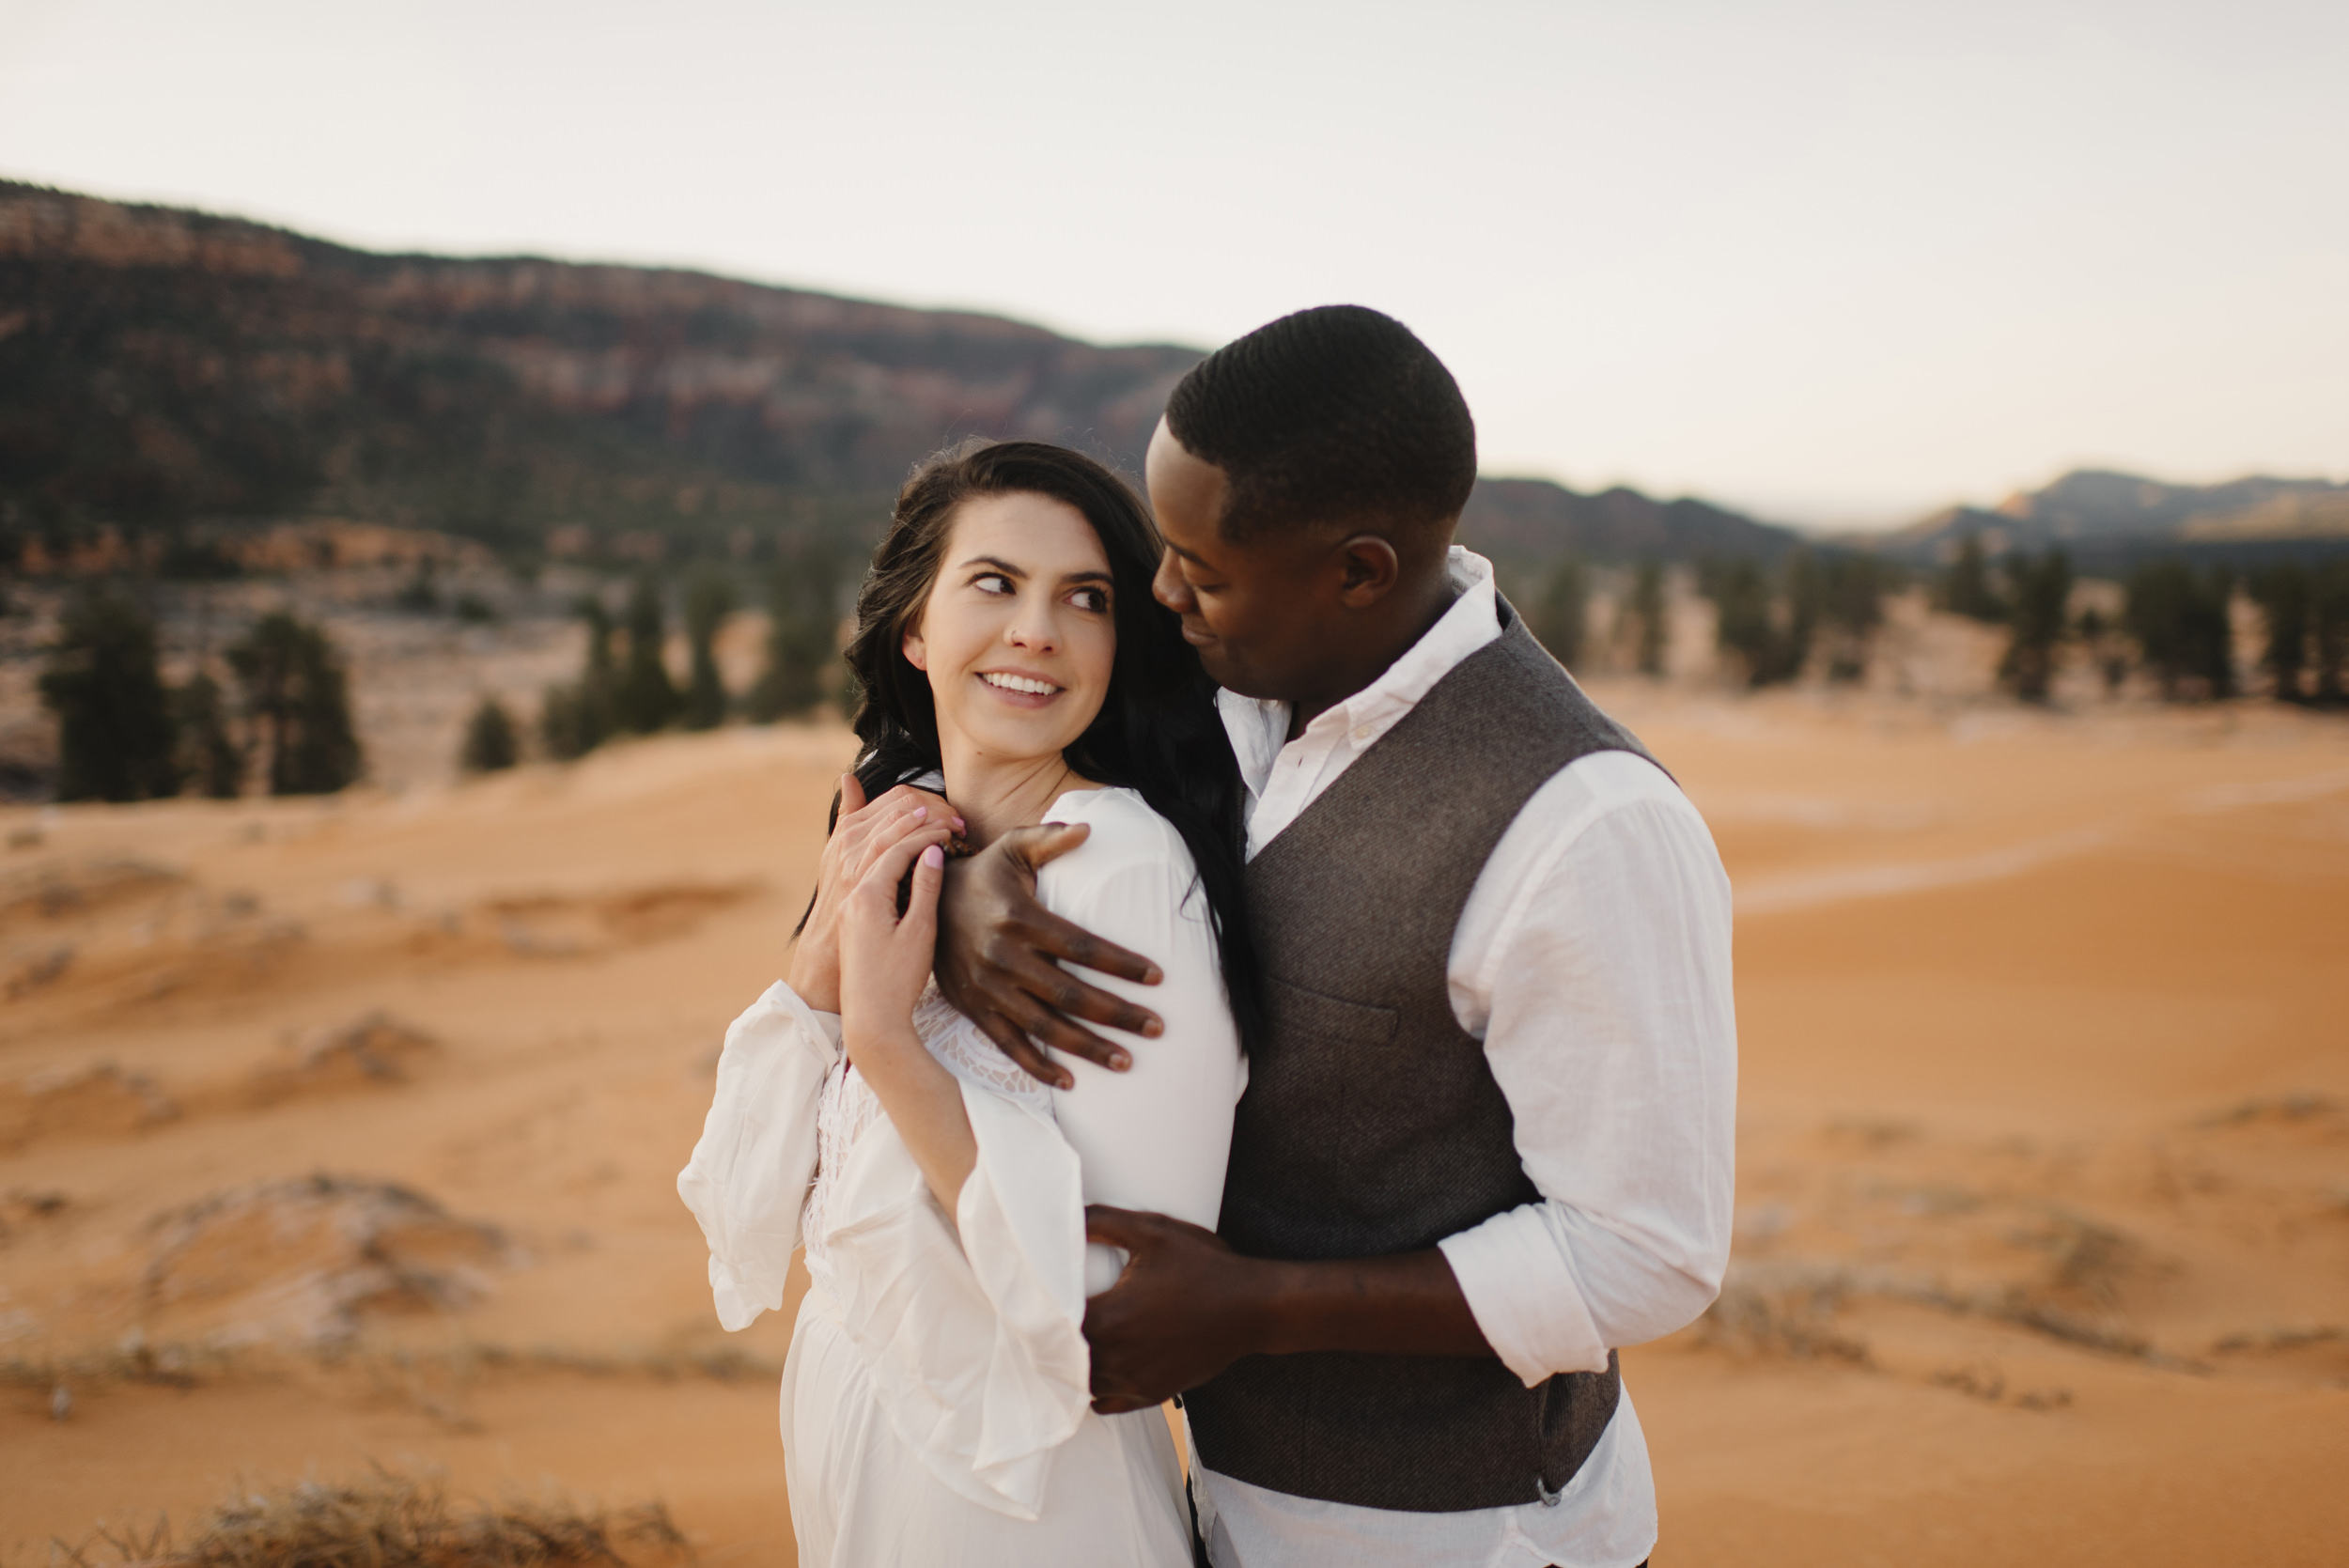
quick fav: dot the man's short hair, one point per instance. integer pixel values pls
(1334, 416)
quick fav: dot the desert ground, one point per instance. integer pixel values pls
(343, 1132)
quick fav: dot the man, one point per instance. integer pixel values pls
(1487, 1136)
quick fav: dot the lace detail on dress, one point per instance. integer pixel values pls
(963, 1049)
(847, 1107)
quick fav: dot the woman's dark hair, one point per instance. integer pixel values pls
(1157, 733)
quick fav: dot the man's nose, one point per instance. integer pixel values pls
(1168, 588)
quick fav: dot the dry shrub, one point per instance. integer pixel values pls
(389, 1520)
(297, 1263)
(1785, 1309)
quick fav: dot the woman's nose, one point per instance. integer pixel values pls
(1032, 633)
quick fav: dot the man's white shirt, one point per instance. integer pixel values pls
(1593, 959)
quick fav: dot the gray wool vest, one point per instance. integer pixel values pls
(1372, 1124)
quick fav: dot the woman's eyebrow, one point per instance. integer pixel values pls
(997, 562)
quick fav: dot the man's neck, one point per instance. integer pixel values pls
(1402, 633)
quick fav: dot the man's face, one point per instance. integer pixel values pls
(1261, 614)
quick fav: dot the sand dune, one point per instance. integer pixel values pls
(341, 1129)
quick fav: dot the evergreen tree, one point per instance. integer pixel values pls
(296, 689)
(2284, 594)
(576, 718)
(708, 602)
(1562, 618)
(209, 751)
(115, 739)
(2096, 633)
(491, 742)
(1649, 617)
(2328, 619)
(2180, 621)
(803, 638)
(1769, 634)
(2040, 610)
(1966, 588)
(648, 699)
(1854, 610)
(1742, 628)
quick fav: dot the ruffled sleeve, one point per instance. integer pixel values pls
(749, 1175)
(972, 1331)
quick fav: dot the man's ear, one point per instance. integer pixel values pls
(1368, 569)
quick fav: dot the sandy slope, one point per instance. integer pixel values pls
(2043, 1243)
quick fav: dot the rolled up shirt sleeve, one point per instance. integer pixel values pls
(1597, 967)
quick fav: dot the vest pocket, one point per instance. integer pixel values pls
(1297, 1010)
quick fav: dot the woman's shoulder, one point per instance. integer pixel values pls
(1128, 838)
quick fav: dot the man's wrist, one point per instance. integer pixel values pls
(1274, 1296)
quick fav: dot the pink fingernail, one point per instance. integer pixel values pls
(920, 812)
(933, 857)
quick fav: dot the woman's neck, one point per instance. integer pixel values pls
(998, 794)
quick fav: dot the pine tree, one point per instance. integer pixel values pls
(1966, 588)
(2179, 621)
(708, 602)
(803, 665)
(577, 718)
(491, 742)
(1742, 627)
(2284, 594)
(209, 751)
(1649, 615)
(2040, 610)
(2329, 619)
(1854, 611)
(1560, 620)
(115, 737)
(648, 699)
(296, 689)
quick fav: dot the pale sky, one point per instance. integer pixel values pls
(1837, 262)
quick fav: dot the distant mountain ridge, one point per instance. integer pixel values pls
(2099, 513)
(1533, 519)
(161, 368)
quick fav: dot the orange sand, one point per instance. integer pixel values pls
(2043, 1194)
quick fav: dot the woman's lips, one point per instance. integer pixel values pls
(1021, 699)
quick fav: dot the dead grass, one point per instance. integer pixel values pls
(387, 1520)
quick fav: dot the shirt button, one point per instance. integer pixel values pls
(1361, 731)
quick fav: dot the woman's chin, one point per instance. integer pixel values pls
(1008, 741)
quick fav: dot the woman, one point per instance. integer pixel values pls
(935, 1404)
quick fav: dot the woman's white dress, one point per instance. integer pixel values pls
(935, 1404)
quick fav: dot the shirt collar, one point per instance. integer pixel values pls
(1259, 726)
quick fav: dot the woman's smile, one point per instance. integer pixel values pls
(1020, 687)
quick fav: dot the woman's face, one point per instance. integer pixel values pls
(1017, 636)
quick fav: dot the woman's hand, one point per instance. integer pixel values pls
(885, 957)
(857, 837)
(884, 963)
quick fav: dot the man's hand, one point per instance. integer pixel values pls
(1188, 1306)
(997, 953)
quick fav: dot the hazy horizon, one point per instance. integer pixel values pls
(1829, 266)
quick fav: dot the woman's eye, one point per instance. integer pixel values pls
(992, 582)
(1093, 599)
